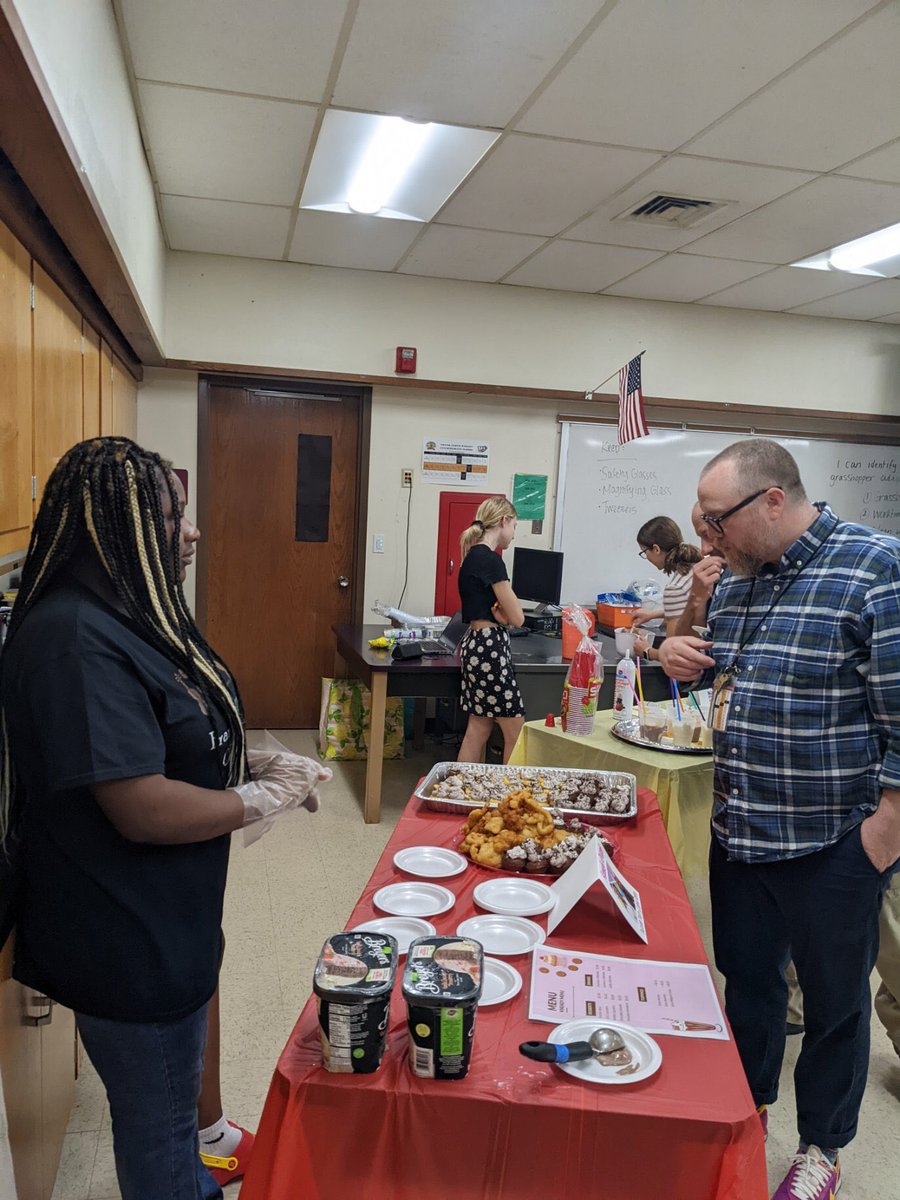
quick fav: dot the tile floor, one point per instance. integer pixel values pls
(297, 885)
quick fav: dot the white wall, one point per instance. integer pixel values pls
(324, 319)
(167, 423)
(523, 438)
(78, 49)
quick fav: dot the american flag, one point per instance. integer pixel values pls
(632, 423)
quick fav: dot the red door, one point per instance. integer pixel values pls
(457, 512)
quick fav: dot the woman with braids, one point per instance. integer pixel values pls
(660, 543)
(489, 689)
(123, 771)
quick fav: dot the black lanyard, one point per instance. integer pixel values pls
(732, 669)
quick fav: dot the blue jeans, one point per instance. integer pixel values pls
(152, 1077)
(822, 909)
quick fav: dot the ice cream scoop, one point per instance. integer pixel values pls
(604, 1043)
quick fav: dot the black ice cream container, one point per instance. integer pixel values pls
(442, 983)
(353, 980)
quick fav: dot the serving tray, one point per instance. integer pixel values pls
(507, 778)
(630, 731)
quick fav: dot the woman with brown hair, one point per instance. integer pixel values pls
(661, 544)
(489, 689)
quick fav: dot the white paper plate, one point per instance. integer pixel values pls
(514, 896)
(508, 936)
(414, 899)
(404, 929)
(431, 862)
(501, 982)
(644, 1051)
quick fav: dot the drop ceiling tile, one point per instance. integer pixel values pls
(882, 164)
(782, 288)
(342, 240)
(276, 48)
(865, 303)
(225, 227)
(656, 74)
(825, 213)
(472, 62)
(893, 319)
(225, 147)
(684, 277)
(480, 254)
(680, 175)
(539, 186)
(836, 106)
(580, 267)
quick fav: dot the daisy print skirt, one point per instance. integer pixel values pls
(489, 687)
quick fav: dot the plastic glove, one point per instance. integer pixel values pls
(283, 781)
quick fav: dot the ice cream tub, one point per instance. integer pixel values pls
(353, 979)
(442, 983)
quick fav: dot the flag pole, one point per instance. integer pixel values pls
(590, 395)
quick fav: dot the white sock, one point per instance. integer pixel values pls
(220, 1139)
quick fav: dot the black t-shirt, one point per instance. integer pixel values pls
(109, 927)
(481, 568)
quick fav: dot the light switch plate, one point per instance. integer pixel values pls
(378, 543)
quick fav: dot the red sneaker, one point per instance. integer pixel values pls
(224, 1170)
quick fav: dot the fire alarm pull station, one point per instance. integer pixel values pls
(405, 363)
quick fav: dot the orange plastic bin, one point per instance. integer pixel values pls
(571, 637)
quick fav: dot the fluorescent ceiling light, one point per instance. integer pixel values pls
(876, 254)
(389, 156)
(388, 166)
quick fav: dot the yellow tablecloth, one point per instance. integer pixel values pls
(682, 782)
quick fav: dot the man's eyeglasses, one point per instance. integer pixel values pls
(716, 522)
(642, 553)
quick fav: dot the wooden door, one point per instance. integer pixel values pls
(457, 512)
(268, 593)
(15, 394)
(90, 382)
(57, 376)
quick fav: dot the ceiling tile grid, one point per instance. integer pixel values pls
(787, 113)
(224, 147)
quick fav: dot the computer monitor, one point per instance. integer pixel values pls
(537, 575)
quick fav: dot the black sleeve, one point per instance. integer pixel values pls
(491, 568)
(89, 719)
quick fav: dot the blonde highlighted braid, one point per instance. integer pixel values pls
(110, 491)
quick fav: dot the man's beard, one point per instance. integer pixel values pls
(753, 555)
(744, 563)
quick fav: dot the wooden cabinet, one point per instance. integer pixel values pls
(90, 382)
(37, 1067)
(118, 397)
(59, 383)
(15, 394)
(58, 415)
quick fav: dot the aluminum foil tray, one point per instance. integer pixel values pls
(509, 778)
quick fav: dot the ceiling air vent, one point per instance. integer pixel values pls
(679, 212)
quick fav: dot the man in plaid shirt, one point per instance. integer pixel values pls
(804, 662)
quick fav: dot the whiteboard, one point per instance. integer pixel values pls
(606, 492)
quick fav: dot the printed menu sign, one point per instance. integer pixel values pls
(593, 865)
(659, 997)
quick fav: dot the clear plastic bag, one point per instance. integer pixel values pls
(583, 679)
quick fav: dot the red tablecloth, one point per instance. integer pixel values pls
(514, 1129)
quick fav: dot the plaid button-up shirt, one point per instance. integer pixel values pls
(813, 732)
